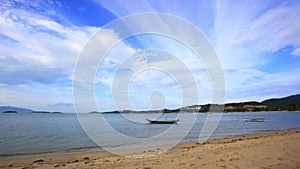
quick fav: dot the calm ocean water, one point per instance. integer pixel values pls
(28, 134)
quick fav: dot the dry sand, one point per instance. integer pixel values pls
(279, 149)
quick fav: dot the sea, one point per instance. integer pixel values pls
(29, 134)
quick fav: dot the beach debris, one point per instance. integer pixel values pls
(39, 161)
(25, 168)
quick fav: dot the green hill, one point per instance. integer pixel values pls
(288, 103)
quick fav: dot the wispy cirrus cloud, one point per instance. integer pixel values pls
(38, 55)
(252, 84)
(63, 104)
(273, 30)
(38, 46)
(247, 32)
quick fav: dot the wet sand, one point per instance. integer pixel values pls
(278, 149)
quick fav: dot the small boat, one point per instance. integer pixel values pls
(163, 121)
(255, 120)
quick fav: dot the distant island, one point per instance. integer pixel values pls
(12, 109)
(290, 103)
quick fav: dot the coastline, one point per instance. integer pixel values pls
(274, 149)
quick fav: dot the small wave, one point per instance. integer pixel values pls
(64, 151)
(25, 154)
(82, 148)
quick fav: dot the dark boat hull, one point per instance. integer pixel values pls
(162, 121)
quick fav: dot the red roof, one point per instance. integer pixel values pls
(229, 107)
(248, 106)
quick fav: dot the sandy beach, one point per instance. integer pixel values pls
(276, 149)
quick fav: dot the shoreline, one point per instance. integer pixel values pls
(82, 150)
(273, 149)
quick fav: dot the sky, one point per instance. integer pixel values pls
(257, 43)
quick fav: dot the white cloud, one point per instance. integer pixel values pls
(121, 8)
(39, 54)
(245, 32)
(154, 70)
(36, 96)
(296, 52)
(37, 42)
(251, 84)
(275, 29)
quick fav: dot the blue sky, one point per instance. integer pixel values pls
(257, 43)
